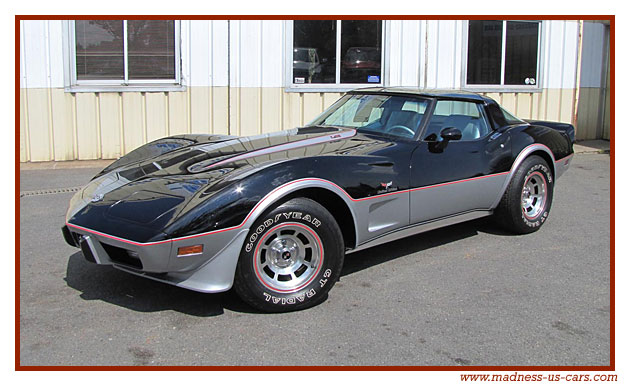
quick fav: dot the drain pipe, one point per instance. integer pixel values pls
(578, 76)
(229, 65)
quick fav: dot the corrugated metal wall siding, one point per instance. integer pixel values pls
(57, 125)
(593, 120)
(607, 107)
(108, 125)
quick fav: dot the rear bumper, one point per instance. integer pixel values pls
(211, 271)
(562, 165)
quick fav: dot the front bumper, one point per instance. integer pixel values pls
(211, 271)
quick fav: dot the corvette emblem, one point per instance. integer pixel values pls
(386, 185)
(97, 197)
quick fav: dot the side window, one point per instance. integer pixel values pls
(511, 119)
(468, 117)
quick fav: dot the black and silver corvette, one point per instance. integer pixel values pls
(273, 215)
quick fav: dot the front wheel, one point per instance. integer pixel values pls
(291, 258)
(526, 203)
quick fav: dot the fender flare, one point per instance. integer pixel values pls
(303, 183)
(526, 152)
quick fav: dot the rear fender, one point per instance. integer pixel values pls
(564, 128)
(526, 152)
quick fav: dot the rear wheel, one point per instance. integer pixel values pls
(291, 258)
(526, 203)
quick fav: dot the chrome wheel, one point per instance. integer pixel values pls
(534, 195)
(288, 257)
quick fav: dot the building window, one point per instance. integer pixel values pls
(503, 53)
(129, 53)
(327, 53)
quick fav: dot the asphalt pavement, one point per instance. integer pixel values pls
(469, 294)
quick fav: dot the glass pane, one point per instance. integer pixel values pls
(521, 53)
(99, 49)
(511, 119)
(151, 49)
(484, 51)
(465, 116)
(361, 51)
(378, 114)
(314, 51)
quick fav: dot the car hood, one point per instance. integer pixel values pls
(215, 160)
(150, 193)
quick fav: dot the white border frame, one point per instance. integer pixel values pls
(71, 84)
(489, 88)
(327, 87)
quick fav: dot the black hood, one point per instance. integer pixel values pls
(216, 158)
(150, 194)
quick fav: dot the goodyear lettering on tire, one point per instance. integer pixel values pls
(272, 221)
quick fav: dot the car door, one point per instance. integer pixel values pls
(450, 177)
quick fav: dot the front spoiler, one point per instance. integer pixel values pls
(211, 272)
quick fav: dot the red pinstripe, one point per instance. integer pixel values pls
(294, 182)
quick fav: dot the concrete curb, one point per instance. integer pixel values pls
(592, 151)
(597, 146)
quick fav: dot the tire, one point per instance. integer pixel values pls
(291, 258)
(526, 203)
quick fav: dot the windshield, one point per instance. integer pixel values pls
(380, 114)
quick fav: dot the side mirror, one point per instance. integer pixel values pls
(451, 134)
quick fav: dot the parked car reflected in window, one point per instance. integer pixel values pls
(306, 66)
(314, 51)
(361, 45)
(361, 65)
(315, 47)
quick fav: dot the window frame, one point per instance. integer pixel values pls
(72, 84)
(502, 87)
(327, 87)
